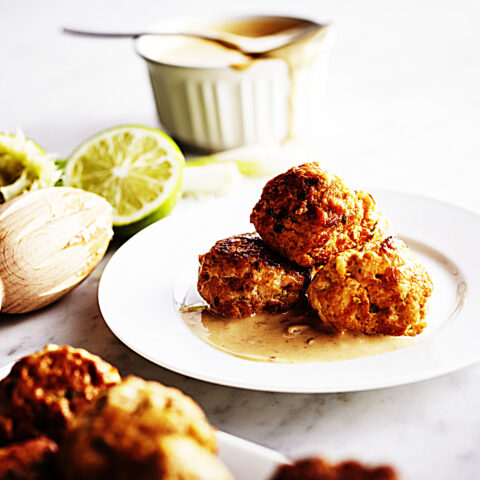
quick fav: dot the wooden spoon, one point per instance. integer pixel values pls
(50, 240)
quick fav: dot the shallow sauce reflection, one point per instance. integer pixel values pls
(290, 337)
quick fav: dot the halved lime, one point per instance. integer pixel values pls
(137, 169)
(24, 166)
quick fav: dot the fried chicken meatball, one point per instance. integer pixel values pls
(44, 390)
(141, 430)
(30, 460)
(308, 214)
(318, 469)
(241, 276)
(378, 289)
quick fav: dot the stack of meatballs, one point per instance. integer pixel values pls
(318, 240)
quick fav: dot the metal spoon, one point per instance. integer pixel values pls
(246, 45)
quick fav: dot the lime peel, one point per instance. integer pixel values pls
(24, 166)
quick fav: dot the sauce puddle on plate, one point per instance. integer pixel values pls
(290, 337)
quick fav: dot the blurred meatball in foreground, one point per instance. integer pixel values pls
(241, 276)
(380, 288)
(44, 390)
(30, 460)
(141, 430)
(308, 214)
(318, 469)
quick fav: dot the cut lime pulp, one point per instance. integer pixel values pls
(137, 169)
(24, 166)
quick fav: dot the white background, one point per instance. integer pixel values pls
(403, 113)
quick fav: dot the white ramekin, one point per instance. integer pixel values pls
(218, 108)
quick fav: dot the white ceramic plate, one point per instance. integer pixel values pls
(245, 460)
(154, 273)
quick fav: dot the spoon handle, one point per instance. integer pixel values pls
(211, 36)
(87, 33)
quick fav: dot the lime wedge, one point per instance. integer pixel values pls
(137, 169)
(210, 179)
(24, 166)
(259, 160)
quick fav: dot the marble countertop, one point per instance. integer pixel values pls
(403, 113)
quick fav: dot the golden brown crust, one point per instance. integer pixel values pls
(241, 276)
(318, 469)
(180, 457)
(380, 288)
(375, 226)
(131, 430)
(30, 460)
(308, 214)
(44, 390)
(6, 430)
